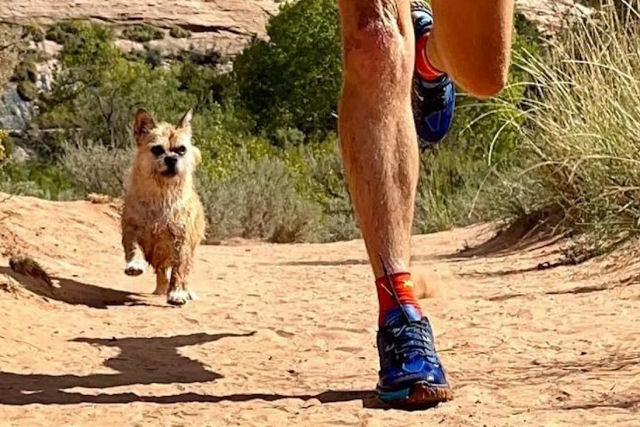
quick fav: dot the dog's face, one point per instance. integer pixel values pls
(164, 152)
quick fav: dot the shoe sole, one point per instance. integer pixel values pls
(419, 395)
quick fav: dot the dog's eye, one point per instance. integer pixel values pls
(180, 150)
(157, 150)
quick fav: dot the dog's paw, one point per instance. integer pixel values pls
(134, 268)
(160, 291)
(181, 296)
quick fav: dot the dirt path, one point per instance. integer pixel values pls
(284, 334)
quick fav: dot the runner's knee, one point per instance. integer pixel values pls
(374, 45)
(485, 81)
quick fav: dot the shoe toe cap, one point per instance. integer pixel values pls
(418, 369)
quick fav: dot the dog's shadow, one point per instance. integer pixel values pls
(141, 360)
(77, 293)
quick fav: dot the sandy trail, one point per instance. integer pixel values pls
(284, 334)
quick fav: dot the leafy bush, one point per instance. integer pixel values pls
(204, 83)
(25, 71)
(293, 80)
(149, 56)
(179, 33)
(62, 31)
(142, 33)
(94, 168)
(10, 36)
(582, 143)
(319, 177)
(33, 32)
(37, 179)
(97, 90)
(27, 91)
(209, 57)
(4, 151)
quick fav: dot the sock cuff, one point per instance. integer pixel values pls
(395, 294)
(423, 66)
(395, 278)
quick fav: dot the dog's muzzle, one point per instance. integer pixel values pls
(171, 164)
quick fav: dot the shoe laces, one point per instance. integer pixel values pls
(433, 96)
(410, 340)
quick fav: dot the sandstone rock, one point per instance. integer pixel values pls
(221, 24)
(225, 24)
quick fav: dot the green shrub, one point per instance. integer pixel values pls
(207, 85)
(7, 145)
(26, 71)
(97, 90)
(62, 31)
(95, 168)
(179, 33)
(142, 33)
(460, 177)
(33, 32)
(210, 58)
(319, 177)
(293, 80)
(10, 36)
(149, 56)
(582, 142)
(36, 179)
(4, 142)
(259, 201)
(27, 91)
(36, 55)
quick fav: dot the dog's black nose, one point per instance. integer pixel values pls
(170, 161)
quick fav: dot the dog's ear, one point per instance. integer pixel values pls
(185, 121)
(196, 155)
(142, 125)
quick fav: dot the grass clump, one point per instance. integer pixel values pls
(259, 201)
(582, 139)
(33, 32)
(179, 33)
(27, 90)
(25, 71)
(62, 31)
(142, 33)
(94, 168)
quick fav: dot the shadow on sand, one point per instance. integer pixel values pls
(153, 360)
(77, 293)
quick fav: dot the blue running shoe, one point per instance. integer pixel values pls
(411, 374)
(433, 100)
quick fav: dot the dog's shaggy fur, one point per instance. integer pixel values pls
(163, 219)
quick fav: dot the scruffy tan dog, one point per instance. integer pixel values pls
(163, 219)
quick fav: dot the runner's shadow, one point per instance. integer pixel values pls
(153, 360)
(59, 397)
(140, 361)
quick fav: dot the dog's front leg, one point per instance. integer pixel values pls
(163, 275)
(134, 257)
(179, 293)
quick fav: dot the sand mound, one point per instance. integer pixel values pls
(284, 334)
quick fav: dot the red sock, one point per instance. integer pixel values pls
(403, 286)
(423, 66)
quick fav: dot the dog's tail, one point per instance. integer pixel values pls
(27, 266)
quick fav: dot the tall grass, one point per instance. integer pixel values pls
(582, 136)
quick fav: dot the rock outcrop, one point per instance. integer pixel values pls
(221, 24)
